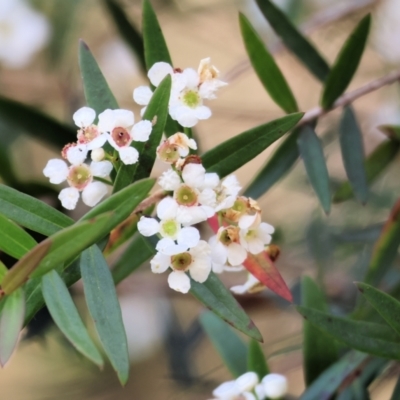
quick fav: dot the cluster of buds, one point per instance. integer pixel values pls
(196, 197)
(248, 387)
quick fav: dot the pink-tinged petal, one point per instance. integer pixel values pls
(179, 281)
(160, 263)
(141, 131)
(158, 72)
(167, 208)
(93, 193)
(128, 155)
(84, 117)
(189, 237)
(200, 269)
(236, 254)
(148, 226)
(193, 175)
(101, 168)
(69, 198)
(142, 95)
(56, 170)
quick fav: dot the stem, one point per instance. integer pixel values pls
(106, 181)
(188, 132)
(154, 198)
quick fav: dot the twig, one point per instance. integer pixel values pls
(321, 19)
(350, 97)
(154, 198)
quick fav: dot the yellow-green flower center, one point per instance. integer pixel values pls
(181, 261)
(170, 228)
(186, 196)
(191, 98)
(79, 176)
(168, 152)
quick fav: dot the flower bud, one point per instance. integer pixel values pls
(98, 154)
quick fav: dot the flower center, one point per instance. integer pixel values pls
(186, 196)
(229, 235)
(86, 135)
(191, 98)
(181, 261)
(121, 136)
(169, 228)
(79, 176)
(240, 205)
(168, 152)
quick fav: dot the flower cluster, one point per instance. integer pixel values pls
(196, 197)
(248, 387)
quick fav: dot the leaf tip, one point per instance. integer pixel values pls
(83, 44)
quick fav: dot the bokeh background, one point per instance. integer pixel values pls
(171, 356)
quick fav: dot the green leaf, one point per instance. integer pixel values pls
(237, 151)
(66, 316)
(155, 47)
(137, 253)
(352, 148)
(346, 63)
(310, 149)
(294, 40)
(97, 92)
(330, 380)
(157, 110)
(319, 350)
(3, 271)
(396, 391)
(266, 68)
(376, 339)
(31, 213)
(14, 241)
(385, 249)
(6, 168)
(127, 30)
(276, 167)
(102, 302)
(374, 165)
(11, 322)
(392, 131)
(256, 360)
(35, 123)
(228, 344)
(216, 297)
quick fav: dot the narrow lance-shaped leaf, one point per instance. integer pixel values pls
(6, 168)
(256, 360)
(385, 249)
(227, 157)
(215, 296)
(64, 313)
(266, 68)
(313, 157)
(35, 123)
(319, 350)
(352, 149)
(276, 167)
(374, 165)
(103, 305)
(228, 344)
(157, 112)
(346, 63)
(127, 31)
(376, 339)
(396, 391)
(294, 40)
(14, 241)
(11, 322)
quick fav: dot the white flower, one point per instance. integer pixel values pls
(169, 180)
(195, 260)
(121, 131)
(176, 146)
(23, 32)
(254, 240)
(208, 75)
(275, 386)
(88, 134)
(75, 153)
(252, 285)
(238, 389)
(80, 179)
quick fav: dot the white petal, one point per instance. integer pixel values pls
(141, 131)
(231, 185)
(246, 221)
(248, 396)
(236, 254)
(179, 281)
(69, 197)
(128, 155)
(84, 117)
(158, 72)
(167, 208)
(255, 245)
(101, 168)
(191, 77)
(148, 226)
(211, 180)
(106, 121)
(203, 112)
(93, 193)
(247, 381)
(164, 243)
(123, 118)
(259, 389)
(193, 175)
(77, 154)
(200, 269)
(265, 230)
(208, 197)
(218, 251)
(189, 237)
(97, 142)
(226, 390)
(142, 95)
(218, 268)
(191, 215)
(275, 386)
(56, 170)
(238, 289)
(202, 249)
(185, 116)
(160, 263)
(169, 180)
(167, 246)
